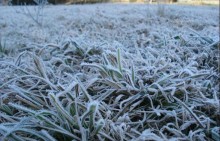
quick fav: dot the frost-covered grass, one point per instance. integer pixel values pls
(109, 72)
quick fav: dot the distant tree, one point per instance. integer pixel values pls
(22, 2)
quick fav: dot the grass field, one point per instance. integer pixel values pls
(111, 72)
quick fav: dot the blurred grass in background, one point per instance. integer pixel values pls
(200, 2)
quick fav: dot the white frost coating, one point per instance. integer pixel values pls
(170, 94)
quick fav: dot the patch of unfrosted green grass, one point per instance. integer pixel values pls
(2, 47)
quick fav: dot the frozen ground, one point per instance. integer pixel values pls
(150, 71)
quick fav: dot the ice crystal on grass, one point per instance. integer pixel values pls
(108, 72)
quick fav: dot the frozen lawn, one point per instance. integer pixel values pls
(109, 72)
